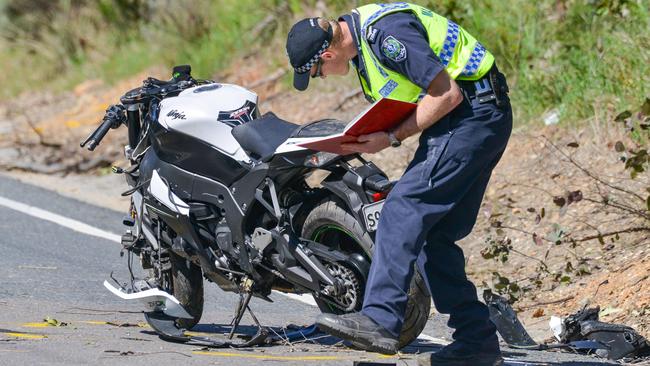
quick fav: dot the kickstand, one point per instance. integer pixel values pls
(237, 310)
(257, 322)
(241, 309)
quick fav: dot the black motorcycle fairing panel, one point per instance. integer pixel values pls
(261, 137)
(245, 188)
(196, 156)
(179, 180)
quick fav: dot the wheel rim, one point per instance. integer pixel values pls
(335, 236)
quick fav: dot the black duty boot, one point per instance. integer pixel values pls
(359, 329)
(458, 354)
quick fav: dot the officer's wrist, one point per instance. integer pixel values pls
(393, 140)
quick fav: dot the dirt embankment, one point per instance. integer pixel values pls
(561, 257)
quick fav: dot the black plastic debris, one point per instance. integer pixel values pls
(617, 341)
(582, 332)
(620, 340)
(572, 328)
(506, 321)
(167, 330)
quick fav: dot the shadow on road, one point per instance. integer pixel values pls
(287, 336)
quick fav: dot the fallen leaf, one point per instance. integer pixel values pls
(54, 323)
(575, 196)
(623, 116)
(619, 147)
(538, 313)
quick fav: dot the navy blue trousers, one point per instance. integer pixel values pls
(434, 204)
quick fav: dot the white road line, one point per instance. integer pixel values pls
(304, 298)
(58, 219)
(93, 231)
(440, 341)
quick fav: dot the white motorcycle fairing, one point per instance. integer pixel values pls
(153, 300)
(209, 113)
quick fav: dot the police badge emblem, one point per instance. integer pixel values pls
(393, 49)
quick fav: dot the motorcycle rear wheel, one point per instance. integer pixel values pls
(331, 224)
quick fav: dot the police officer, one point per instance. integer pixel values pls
(407, 52)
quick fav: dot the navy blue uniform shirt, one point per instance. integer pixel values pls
(400, 43)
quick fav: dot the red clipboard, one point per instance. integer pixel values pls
(382, 115)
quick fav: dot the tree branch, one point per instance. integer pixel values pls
(589, 173)
(612, 233)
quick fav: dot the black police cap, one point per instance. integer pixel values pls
(306, 42)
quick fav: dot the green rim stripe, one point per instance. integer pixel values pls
(324, 229)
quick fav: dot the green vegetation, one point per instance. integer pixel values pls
(582, 58)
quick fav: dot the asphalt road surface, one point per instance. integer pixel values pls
(55, 254)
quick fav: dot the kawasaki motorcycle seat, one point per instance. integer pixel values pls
(261, 137)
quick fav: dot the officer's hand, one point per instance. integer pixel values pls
(370, 144)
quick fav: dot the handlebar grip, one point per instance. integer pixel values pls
(113, 118)
(98, 135)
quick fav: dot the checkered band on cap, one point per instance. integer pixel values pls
(306, 67)
(451, 39)
(474, 60)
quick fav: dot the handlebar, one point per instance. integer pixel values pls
(113, 118)
(96, 137)
(142, 96)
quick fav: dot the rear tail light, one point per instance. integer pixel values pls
(378, 196)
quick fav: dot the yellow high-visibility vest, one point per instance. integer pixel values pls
(462, 55)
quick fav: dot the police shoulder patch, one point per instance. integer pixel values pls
(371, 34)
(393, 49)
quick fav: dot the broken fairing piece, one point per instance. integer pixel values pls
(557, 327)
(582, 331)
(153, 300)
(505, 319)
(620, 341)
(168, 330)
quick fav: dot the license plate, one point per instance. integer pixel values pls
(371, 214)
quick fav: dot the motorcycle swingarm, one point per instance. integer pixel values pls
(299, 264)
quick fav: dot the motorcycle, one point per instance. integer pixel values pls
(222, 192)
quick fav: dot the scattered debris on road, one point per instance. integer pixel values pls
(54, 323)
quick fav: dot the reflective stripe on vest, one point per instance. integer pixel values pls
(463, 57)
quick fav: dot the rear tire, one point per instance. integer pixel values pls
(187, 287)
(331, 224)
